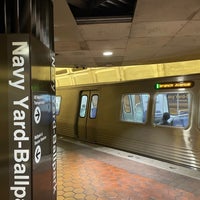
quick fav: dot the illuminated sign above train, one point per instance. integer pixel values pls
(171, 85)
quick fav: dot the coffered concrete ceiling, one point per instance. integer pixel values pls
(159, 31)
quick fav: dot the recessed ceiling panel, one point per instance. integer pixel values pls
(102, 11)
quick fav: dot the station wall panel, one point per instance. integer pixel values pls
(113, 74)
(107, 75)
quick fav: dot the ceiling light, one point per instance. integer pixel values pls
(107, 53)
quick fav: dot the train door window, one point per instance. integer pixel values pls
(172, 109)
(83, 106)
(134, 107)
(93, 106)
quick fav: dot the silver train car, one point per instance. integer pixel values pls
(157, 118)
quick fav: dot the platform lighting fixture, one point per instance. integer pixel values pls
(107, 53)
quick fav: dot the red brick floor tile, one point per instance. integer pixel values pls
(60, 198)
(80, 177)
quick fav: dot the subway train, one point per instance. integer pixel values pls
(157, 117)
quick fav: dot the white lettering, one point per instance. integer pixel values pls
(19, 135)
(18, 61)
(18, 115)
(21, 102)
(16, 84)
(19, 168)
(21, 124)
(22, 49)
(17, 74)
(19, 192)
(54, 139)
(20, 149)
(21, 155)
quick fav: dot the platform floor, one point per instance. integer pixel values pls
(88, 172)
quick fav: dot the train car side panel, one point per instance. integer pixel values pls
(67, 118)
(130, 116)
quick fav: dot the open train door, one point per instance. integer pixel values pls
(87, 116)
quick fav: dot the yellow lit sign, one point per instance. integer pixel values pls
(171, 85)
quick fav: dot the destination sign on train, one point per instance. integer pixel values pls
(171, 85)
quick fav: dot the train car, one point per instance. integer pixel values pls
(158, 117)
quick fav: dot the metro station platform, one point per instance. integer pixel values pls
(92, 172)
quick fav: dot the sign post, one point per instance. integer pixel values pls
(27, 101)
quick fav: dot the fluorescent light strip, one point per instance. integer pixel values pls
(107, 53)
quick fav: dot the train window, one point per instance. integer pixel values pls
(172, 109)
(93, 106)
(83, 106)
(126, 104)
(134, 107)
(58, 102)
